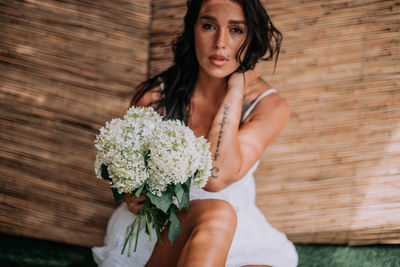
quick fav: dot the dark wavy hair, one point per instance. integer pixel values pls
(263, 41)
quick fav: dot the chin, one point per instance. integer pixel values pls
(219, 75)
(219, 72)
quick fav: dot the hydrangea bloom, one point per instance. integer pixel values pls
(175, 155)
(142, 148)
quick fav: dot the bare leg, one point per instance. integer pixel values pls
(206, 235)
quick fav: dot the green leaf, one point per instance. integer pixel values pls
(148, 220)
(106, 176)
(146, 207)
(186, 185)
(185, 201)
(163, 202)
(146, 158)
(157, 228)
(117, 196)
(174, 227)
(104, 173)
(139, 190)
(179, 192)
(163, 217)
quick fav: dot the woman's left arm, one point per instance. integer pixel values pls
(235, 150)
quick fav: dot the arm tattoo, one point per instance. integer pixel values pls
(214, 172)
(221, 126)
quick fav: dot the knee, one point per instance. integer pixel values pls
(219, 214)
(223, 210)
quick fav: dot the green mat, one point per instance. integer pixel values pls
(18, 251)
(345, 256)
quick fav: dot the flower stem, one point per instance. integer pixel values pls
(147, 215)
(129, 237)
(137, 233)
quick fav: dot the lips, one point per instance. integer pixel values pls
(218, 60)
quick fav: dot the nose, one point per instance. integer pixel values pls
(221, 39)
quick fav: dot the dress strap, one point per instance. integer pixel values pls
(250, 109)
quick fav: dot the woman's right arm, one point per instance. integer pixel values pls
(236, 149)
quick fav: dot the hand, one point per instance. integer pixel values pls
(243, 80)
(134, 203)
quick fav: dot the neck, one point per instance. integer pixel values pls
(210, 87)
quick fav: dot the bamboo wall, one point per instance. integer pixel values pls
(333, 174)
(66, 67)
(337, 163)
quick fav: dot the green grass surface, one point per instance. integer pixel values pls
(18, 251)
(345, 256)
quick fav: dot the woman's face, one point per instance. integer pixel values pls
(219, 32)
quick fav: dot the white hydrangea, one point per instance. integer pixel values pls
(175, 153)
(121, 146)
(146, 113)
(203, 162)
(128, 171)
(170, 156)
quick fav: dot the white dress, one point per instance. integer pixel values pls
(255, 241)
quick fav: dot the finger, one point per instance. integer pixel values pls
(131, 199)
(141, 198)
(134, 208)
(126, 197)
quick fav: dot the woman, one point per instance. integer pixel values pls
(214, 88)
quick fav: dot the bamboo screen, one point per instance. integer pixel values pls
(333, 174)
(66, 67)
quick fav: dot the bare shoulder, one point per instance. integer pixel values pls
(149, 97)
(271, 105)
(262, 125)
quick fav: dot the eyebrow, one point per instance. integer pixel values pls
(232, 21)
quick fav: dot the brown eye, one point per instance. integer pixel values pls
(208, 26)
(237, 30)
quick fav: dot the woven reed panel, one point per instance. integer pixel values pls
(333, 174)
(166, 24)
(66, 67)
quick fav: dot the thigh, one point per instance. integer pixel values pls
(209, 211)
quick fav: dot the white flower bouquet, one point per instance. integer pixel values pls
(143, 154)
